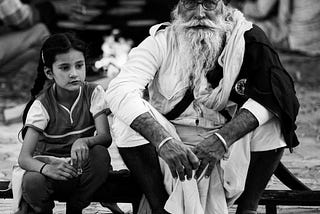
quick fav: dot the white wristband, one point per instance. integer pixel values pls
(163, 142)
(223, 141)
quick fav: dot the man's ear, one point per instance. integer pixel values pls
(48, 73)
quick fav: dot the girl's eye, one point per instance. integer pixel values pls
(64, 68)
(79, 66)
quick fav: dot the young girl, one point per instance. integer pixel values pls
(61, 153)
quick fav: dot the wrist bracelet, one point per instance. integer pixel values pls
(223, 141)
(41, 169)
(163, 142)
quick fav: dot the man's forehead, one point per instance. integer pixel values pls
(200, 0)
(224, 1)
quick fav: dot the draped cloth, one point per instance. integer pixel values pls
(230, 60)
(205, 195)
(215, 194)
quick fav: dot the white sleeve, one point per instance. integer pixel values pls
(37, 116)
(124, 94)
(260, 112)
(98, 102)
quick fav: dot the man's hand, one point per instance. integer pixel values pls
(79, 152)
(180, 159)
(211, 149)
(209, 152)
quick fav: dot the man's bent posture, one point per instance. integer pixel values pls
(221, 109)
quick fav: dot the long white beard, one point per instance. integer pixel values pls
(195, 52)
(197, 49)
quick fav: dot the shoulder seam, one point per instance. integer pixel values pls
(159, 27)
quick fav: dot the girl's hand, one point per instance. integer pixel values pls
(60, 171)
(79, 152)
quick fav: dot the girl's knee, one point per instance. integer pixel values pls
(36, 192)
(99, 154)
(99, 160)
(33, 182)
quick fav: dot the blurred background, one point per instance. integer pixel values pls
(112, 27)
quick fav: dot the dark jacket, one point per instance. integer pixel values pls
(266, 82)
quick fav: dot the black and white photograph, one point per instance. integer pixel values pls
(159, 106)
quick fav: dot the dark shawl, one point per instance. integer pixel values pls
(267, 82)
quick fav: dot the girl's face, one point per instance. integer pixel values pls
(69, 70)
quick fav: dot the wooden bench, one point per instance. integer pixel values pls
(121, 188)
(298, 195)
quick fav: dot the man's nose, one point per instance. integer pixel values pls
(200, 11)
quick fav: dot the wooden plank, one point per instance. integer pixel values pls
(288, 179)
(290, 197)
(118, 185)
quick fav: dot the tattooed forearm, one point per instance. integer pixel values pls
(149, 128)
(240, 125)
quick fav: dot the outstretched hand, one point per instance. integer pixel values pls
(209, 152)
(180, 159)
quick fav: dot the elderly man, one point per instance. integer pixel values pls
(226, 101)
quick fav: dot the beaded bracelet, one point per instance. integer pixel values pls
(41, 169)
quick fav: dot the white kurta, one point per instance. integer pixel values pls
(151, 64)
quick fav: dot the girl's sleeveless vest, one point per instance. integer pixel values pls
(64, 128)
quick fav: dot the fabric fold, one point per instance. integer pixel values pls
(210, 195)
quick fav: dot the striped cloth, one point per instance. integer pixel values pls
(15, 13)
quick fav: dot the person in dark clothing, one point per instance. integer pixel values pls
(220, 112)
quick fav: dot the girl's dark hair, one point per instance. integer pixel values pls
(56, 44)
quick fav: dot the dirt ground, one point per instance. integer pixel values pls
(304, 162)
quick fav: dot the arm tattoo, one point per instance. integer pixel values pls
(149, 128)
(243, 123)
